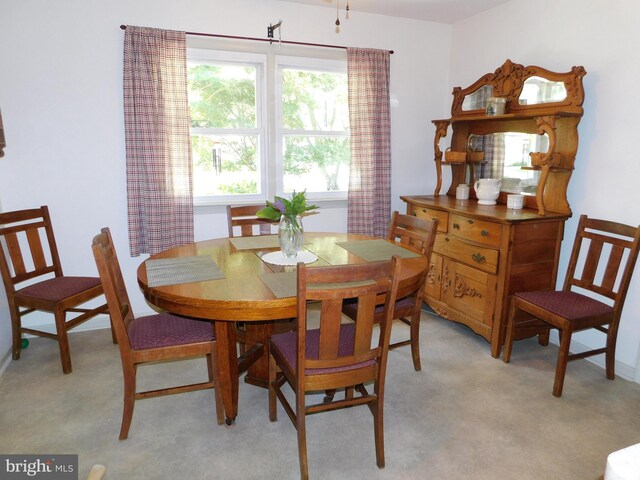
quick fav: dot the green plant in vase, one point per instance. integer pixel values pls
(289, 211)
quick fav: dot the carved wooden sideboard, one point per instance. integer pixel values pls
(485, 253)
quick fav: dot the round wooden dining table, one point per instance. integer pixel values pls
(243, 296)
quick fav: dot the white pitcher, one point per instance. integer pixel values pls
(487, 190)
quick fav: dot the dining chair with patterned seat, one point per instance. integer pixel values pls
(243, 221)
(335, 355)
(600, 268)
(243, 218)
(417, 234)
(34, 281)
(152, 338)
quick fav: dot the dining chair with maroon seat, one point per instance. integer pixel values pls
(245, 218)
(600, 269)
(34, 280)
(417, 234)
(241, 220)
(152, 338)
(335, 355)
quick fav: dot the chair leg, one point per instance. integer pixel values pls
(561, 366)
(328, 395)
(415, 340)
(543, 338)
(378, 431)
(63, 340)
(302, 435)
(16, 330)
(610, 354)
(129, 374)
(211, 367)
(273, 410)
(511, 326)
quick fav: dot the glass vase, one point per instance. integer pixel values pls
(291, 235)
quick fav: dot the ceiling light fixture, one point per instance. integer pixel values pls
(338, 14)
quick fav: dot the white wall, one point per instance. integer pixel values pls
(601, 36)
(61, 100)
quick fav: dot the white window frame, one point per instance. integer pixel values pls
(259, 62)
(310, 64)
(269, 57)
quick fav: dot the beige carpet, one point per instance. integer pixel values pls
(465, 416)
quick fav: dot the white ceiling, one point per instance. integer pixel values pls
(442, 11)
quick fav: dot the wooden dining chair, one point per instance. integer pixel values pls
(600, 268)
(417, 234)
(34, 280)
(152, 338)
(335, 355)
(245, 219)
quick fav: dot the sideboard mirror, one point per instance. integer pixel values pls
(507, 156)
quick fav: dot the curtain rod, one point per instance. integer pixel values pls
(270, 40)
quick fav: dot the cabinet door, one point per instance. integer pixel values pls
(469, 291)
(433, 282)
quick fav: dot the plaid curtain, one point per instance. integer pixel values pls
(495, 152)
(369, 203)
(158, 148)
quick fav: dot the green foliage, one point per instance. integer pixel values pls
(240, 187)
(290, 208)
(222, 101)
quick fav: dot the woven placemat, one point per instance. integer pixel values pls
(256, 242)
(173, 271)
(282, 284)
(376, 250)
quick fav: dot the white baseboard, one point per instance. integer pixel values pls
(623, 370)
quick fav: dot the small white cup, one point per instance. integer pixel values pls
(516, 202)
(462, 192)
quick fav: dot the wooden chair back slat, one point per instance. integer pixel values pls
(37, 252)
(613, 268)
(244, 217)
(15, 255)
(592, 261)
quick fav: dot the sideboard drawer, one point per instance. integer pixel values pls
(479, 231)
(485, 259)
(431, 214)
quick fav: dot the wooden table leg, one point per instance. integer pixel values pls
(259, 333)
(227, 368)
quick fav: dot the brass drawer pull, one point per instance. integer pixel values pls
(456, 226)
(484, 233)
(478, 258)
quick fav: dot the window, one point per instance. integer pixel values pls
(264, 124)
